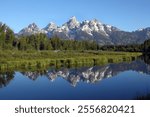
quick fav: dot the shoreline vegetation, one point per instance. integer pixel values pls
(39, 51)
(42, 59)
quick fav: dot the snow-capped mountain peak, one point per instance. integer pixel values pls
(72, 23)
(89, 30)
(50, 27)
(31, 29)
(73, 20)
(95, 25)
(33, 26)
(95, 21)
(141, 29)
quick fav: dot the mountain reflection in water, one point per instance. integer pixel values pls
(91, 74)
(75, 76)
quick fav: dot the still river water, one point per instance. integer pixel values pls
(112, 81)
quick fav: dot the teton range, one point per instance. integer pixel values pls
(90, 30)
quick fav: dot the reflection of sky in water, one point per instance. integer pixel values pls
(128, 81)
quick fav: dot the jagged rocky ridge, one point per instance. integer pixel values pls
(90, 30)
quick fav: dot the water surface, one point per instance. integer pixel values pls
(112, 81)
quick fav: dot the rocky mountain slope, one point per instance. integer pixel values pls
(90, 30)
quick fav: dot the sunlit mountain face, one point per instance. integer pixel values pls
(89, 30)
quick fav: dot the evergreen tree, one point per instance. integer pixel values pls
(147, 46)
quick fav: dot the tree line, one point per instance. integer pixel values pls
(42, 42)
(146, 46)
(6, 37)
(124, 48)
(8, 41)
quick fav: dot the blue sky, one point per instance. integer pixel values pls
(127, 15)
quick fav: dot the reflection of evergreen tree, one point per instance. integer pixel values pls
(144, 97)
(146, 58)
(5, 78)
(147, 46)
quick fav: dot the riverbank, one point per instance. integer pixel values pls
(39, 59)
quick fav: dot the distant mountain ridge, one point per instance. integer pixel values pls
(90, 30)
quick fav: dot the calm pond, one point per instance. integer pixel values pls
(112, 81)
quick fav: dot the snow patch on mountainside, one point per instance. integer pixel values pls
(89, 30)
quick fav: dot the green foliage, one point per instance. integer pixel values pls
(40, 51)
(6, 37)
(8, 41)
(147, 46)
(123, 48)
(29, 59)
(41, 42)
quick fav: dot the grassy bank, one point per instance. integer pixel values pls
(28, 59)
